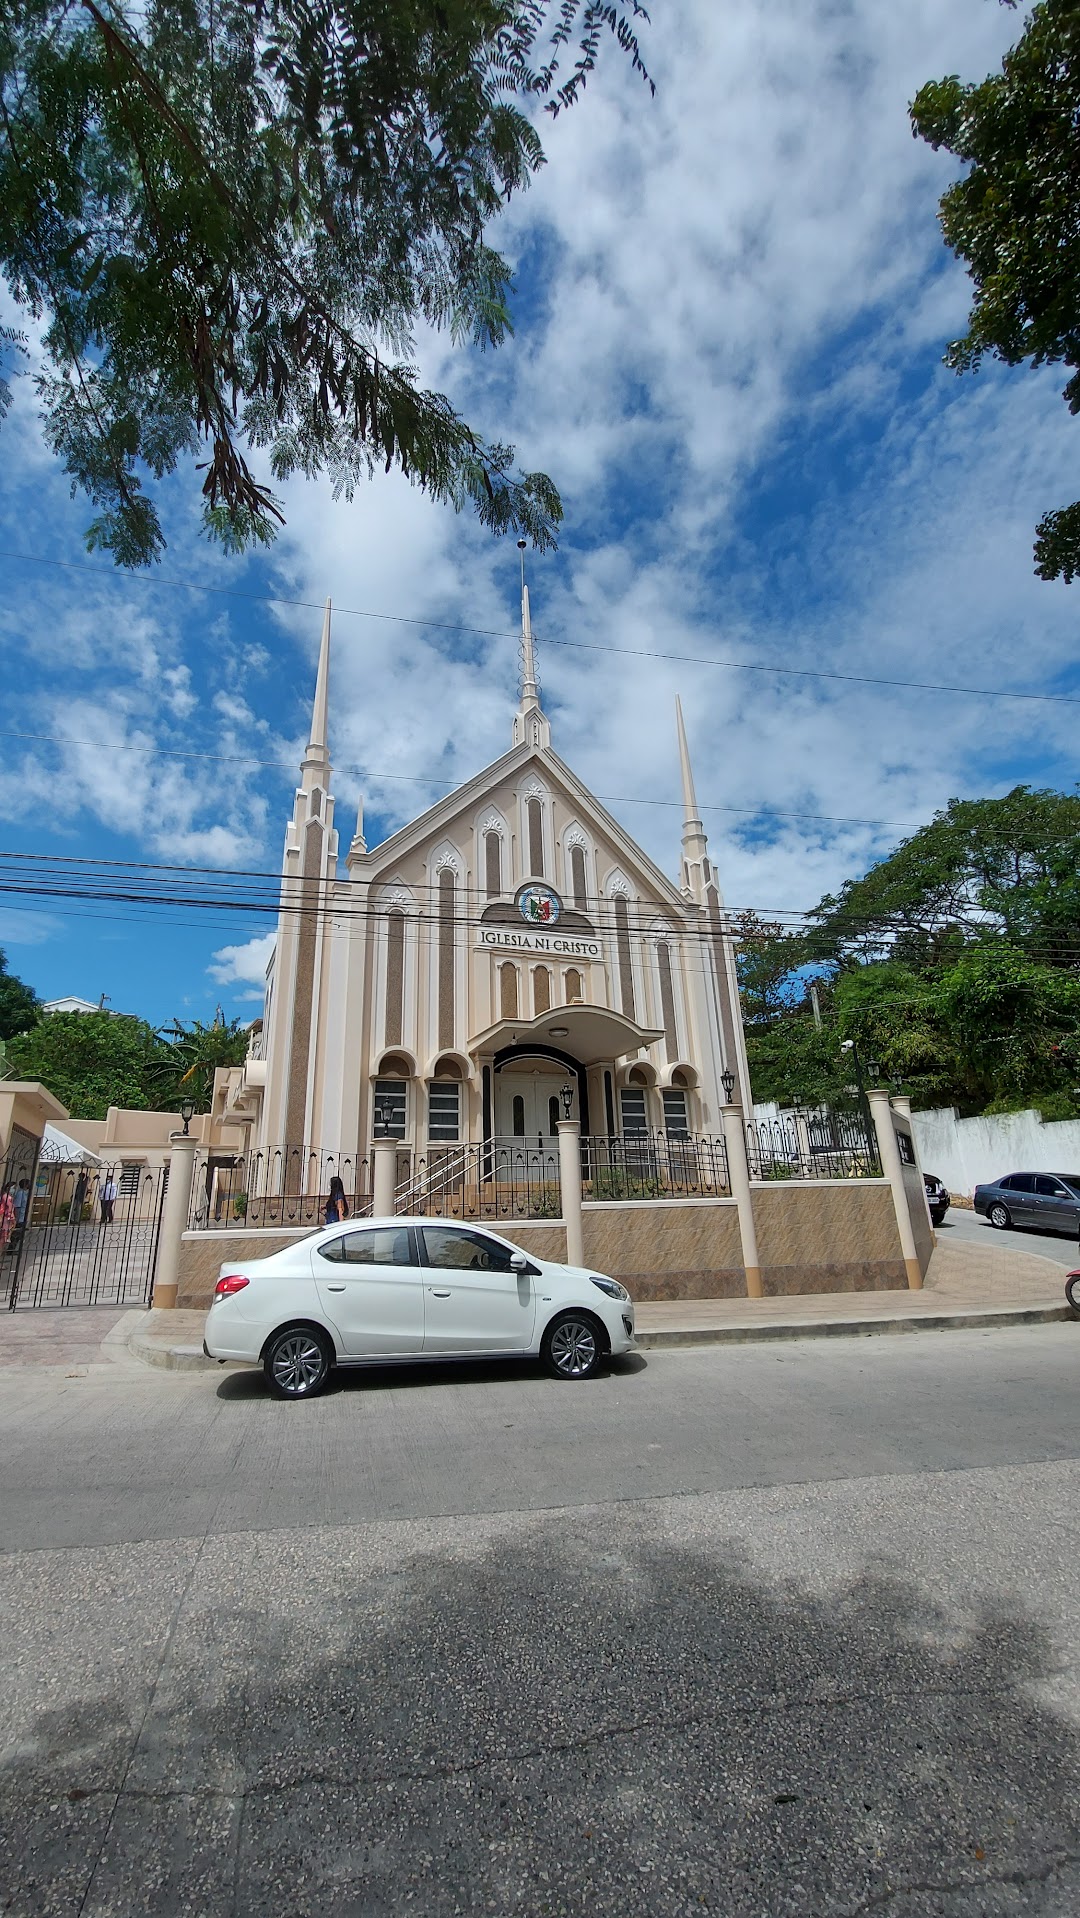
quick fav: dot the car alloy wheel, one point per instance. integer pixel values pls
(1072, 1290)
(572, 1347)
(998, 1215)
(297, 1364)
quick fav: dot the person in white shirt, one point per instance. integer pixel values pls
(107, 1198)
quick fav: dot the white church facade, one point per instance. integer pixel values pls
(510, 953)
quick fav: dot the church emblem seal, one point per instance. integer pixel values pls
(539, 906)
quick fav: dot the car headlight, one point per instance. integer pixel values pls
(611, 1286)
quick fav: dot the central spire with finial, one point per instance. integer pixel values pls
(531, 727)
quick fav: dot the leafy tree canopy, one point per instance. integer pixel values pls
(1010, 864)
(18, 1002)
(94, 1060)
(233, 214)
(1013, 218)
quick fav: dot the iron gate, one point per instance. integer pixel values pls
(89, 1234)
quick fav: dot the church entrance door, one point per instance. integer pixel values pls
(528, 1107)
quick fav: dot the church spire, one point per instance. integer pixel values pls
(317, 757)
(695, 870)
(530, 725)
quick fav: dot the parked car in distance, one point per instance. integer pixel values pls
(937, 1197)
(1047, 1200)
(387, 1291)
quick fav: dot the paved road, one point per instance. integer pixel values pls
(975, 1231)
(745, 1631)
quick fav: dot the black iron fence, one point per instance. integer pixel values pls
(496, 1179)
(825, 1142)
(653, 1165)
(277, 1185)
(87, 1235)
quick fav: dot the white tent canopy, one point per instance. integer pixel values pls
(59, 1148)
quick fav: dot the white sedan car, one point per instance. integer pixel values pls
(383, 1291)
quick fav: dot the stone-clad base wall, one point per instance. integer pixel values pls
(828, 1237)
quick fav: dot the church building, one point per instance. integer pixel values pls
(512, 942)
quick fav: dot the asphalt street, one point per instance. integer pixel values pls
(976, 1231)
(752, 1630)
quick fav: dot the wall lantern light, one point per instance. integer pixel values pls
(566, 1094)
(727, 1080)
(187, 1113)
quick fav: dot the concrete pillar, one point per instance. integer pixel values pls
(570, 1183)
(174, 1218)
(892, 1166)
(384, 1177)
(739, 1178)
(902, 1104)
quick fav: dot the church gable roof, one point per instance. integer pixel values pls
(447, 813)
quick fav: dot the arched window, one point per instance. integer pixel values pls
(553, 1116)
(535, 814)
(444, 1102)
(574, 991)
(626, 968)
(395, 977)
(391, 1092)
(577, 877)
(676, 1123)
(493, 864)
(541, 990)
(518, 1110)
(446, 956)
(667, 999)
(508, 992)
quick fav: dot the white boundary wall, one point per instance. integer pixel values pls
(965, 1153)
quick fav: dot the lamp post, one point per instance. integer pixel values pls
(187, 1113)
(727, 1080)
(566, 1094)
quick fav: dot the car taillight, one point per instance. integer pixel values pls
(232, 1282)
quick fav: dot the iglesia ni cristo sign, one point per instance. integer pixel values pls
(541, 909)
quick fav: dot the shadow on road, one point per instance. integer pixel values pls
(249, 1383)
(586, 1720)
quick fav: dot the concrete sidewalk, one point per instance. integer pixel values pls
(966, 1286)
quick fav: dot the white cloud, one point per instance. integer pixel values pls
(243, 963)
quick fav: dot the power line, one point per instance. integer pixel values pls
(576, 645)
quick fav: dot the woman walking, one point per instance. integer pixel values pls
(7, 1218)
(337, 1206)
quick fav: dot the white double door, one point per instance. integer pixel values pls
(528, 1107)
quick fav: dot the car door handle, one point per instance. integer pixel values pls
(335, 1288)
(436, 1293)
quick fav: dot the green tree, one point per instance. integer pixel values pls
(1012, 218)
(93, 1060)
(233, 215)
(193, 1054)
(1007, 864)
(18, 1002)
(768, 957)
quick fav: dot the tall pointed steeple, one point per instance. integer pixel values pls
(317, 758)
(531, 727)
(695, 846)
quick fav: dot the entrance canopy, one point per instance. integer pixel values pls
(589, 1034)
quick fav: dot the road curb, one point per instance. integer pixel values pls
(960, 1321)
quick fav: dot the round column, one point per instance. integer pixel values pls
(570, 1185)
(174, 1218)
(739, 1179)
(892, 1166)
(384, 1177)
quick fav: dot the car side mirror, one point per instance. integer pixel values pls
(519, 1263)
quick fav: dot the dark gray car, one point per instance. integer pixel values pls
(1049, 1201)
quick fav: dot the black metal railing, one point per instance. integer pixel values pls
(89, 1235)
(492, 1179)
(653, 1165)
(275, 1186)
(825, 1142)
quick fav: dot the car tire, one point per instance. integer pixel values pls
(574, 1346)
(999, 1215)
(938, 1218)
(297, 1362)
(1072, 1291)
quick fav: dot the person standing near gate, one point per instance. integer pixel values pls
(108, 1198)
(7, 1217)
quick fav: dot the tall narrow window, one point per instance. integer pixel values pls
(446, 957)
(634, 1118)
(493, 864)
(536, 838)
(541, 990)
(553, 1116)
(444, 1110)
(390, 1104)
(667, 1000)
(675, 1120)
(577, 877)
(573, 986)
(518, 1110)
(626, 967)
(508, 992)
(395, 977)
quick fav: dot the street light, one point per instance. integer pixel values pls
(727, 1080)
(187, 1113)
(566, 1094)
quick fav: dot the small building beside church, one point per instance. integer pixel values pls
(448, 985)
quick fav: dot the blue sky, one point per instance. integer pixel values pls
(732, 304)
